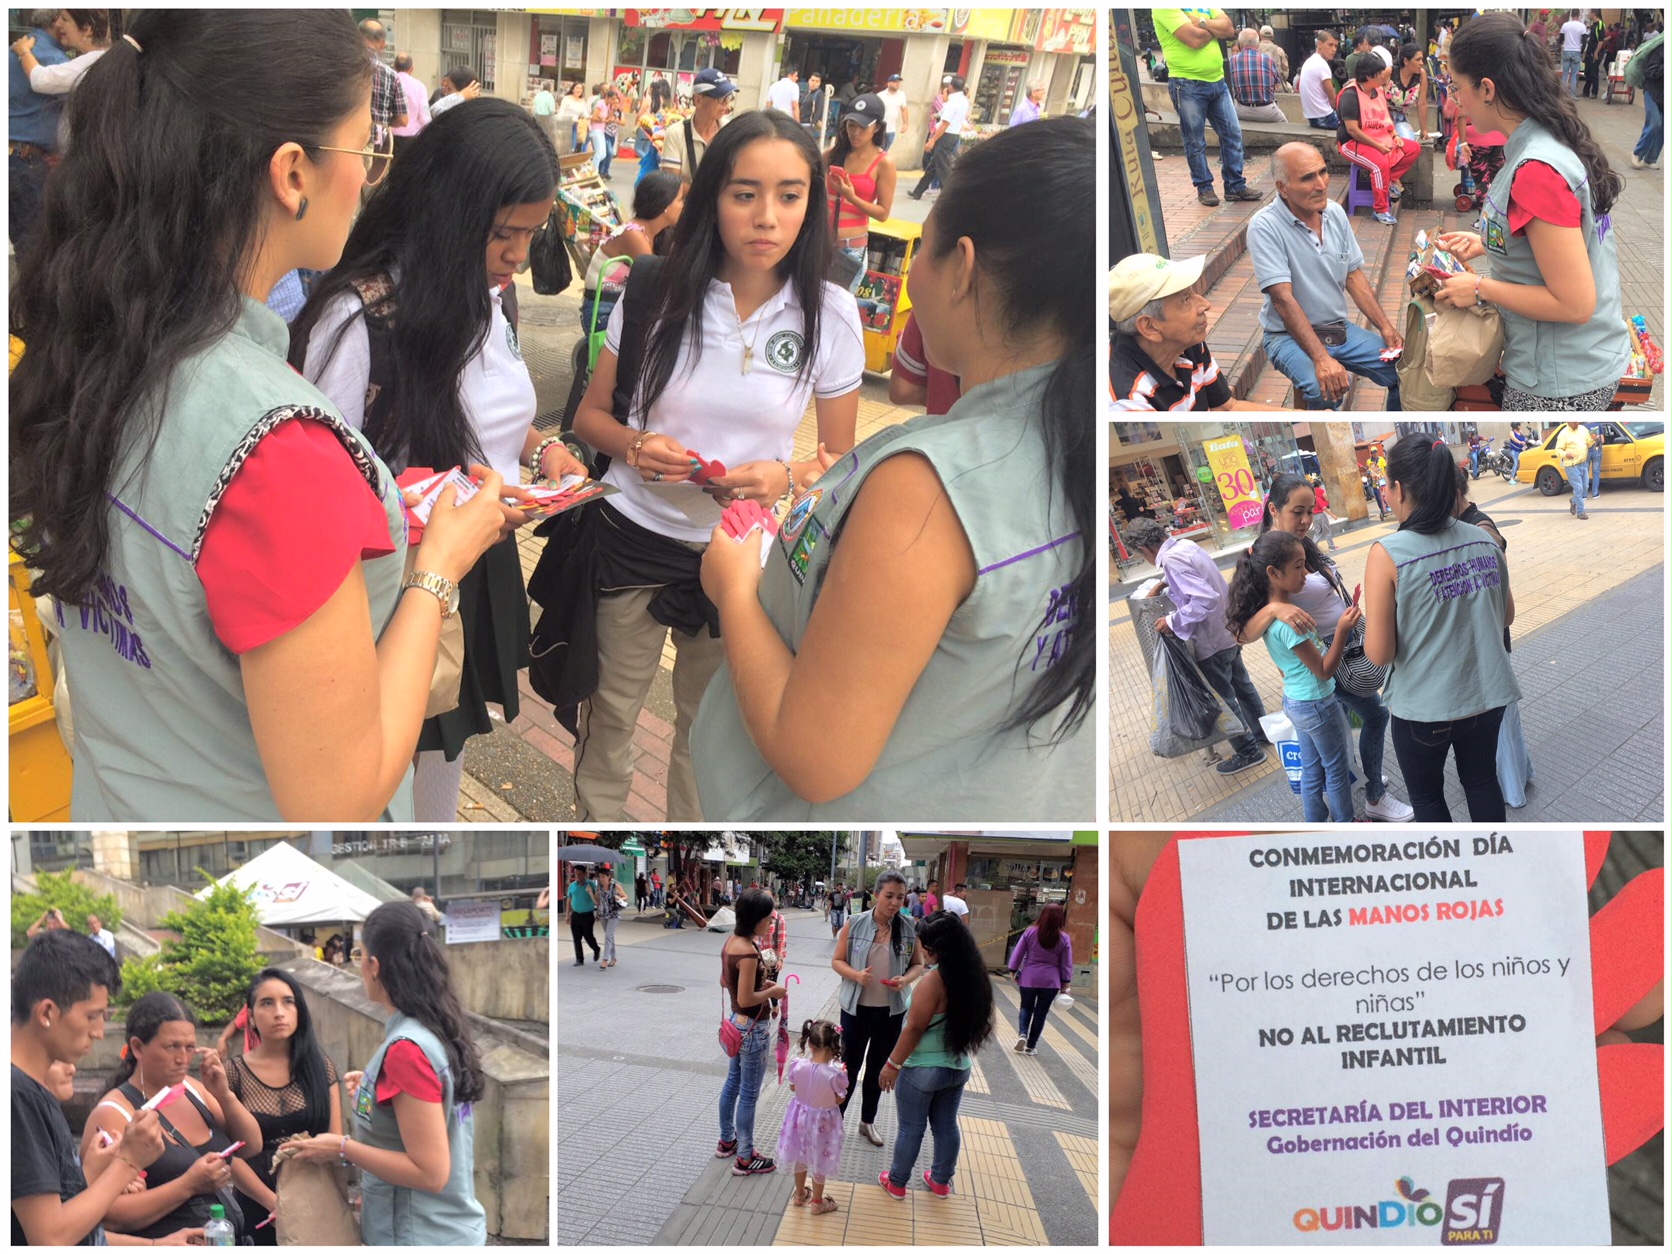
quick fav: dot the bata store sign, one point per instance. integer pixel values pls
(706, 19)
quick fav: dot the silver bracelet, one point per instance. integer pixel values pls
(540, 452)
(789, 473)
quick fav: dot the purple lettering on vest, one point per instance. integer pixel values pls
(105, 613)
(1056, 628)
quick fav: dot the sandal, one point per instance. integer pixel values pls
(824, 1206)
(801, 1196)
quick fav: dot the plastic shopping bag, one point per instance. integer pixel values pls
(1188, 713)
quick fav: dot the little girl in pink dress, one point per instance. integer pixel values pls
(812, 1135)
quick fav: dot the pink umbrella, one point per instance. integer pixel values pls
(784, 1026)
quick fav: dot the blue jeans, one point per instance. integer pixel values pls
(1578, 480)
(1649, 142)
(1198, 105)
(1514, 461)
(25, 185)
(1474, 461)
(1323, 760)
(888, 139)
(1593, 470)
(927, 1098)
(1036, 1006)
(1571, 64)
(1361, 355)
(1372, 741)
(602, 151)
(742, 1088)
(1331, 121)
(859, 254)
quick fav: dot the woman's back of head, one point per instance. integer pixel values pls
(963, 973)
(415, 977)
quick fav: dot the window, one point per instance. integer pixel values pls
(467, 38)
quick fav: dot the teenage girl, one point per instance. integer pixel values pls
(1274, 570)
(658, 199)
(811, 1139)
(861, 180)
(742, 330)
(409, 337)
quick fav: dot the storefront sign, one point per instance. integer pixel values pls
(996, 24)
(415, 842)
(1235, 481)
(1071, 31)
(1007, 56)
(470, 921)
(705, 19)
(872, 21)
(1392, 1040)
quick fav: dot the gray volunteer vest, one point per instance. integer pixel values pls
(390, 1215)
(945, 758)
(1449, 602)
(1556, 358)
(162, 728)
(862, 931)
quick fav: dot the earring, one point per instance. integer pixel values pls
(303, 210)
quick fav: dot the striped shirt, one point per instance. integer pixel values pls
(1138, 384)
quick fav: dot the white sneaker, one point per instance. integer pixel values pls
(1021, 1044)
(1390, 809)
(1636, 162)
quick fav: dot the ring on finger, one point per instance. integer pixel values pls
(657, 477)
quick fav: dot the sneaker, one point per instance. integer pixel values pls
(1021, 1044)
(1207, 197)
(1636, 162)
(754, 1165)
(899, 1195)
(726, 1149)
(1386, 219)
(580, 962)
(1240, 763)
(1390, 809)
(939, 1190)
(1245, 193)
(1030, 1051)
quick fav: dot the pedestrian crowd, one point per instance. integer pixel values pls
(294, 674)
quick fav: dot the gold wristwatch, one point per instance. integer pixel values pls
(439, 586)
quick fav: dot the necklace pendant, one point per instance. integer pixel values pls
(748, 359)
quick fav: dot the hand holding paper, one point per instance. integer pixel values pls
(737, 551)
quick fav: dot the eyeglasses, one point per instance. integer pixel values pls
(376, 158)
(356, 954)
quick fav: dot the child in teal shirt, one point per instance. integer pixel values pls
(1273, 570)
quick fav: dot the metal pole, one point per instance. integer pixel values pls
(435, 862)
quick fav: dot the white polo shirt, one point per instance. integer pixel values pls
(715, 409)
(956, 113)
(1314, 88)
(784, 95)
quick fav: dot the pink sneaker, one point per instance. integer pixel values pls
(939, 1190)
(899, 1195)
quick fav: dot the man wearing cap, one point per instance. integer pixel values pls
(1274, 50)
(1157, 358)
(1197, 587)
(941, 148)
(785, 94)
(1196, 82)
(895, 111)
(684, 145)
(1032, 106)
(1307, 262)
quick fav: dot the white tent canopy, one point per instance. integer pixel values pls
(290, 889)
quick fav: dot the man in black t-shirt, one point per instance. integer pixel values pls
(60, 993)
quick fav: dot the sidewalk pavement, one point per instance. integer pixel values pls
(639, 1075)
(524, 771)
(1584, 650)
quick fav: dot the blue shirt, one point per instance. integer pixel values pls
(580, 901)
(34, 117)
(1285, 250)
(1299, 683)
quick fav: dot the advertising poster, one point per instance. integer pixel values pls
(1235, 481)
(1392, 1039)
(469, 921)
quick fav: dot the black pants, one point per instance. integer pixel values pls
(1229, 677)
(867, 1037)
(580, 928)
(1036, 1005)
(939, 164)
(1421, 749)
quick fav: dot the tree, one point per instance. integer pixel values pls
(61, 891)
(793, 856)
(212, 964)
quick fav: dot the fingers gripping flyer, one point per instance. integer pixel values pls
(1392, 1040)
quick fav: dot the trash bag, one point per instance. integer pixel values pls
(1188, 713)
(548, 258)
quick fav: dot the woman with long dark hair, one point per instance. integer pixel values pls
(925, 606)
(1436, 603)
(861, 179)
(950, 1019)
(198, 1126)
(658, 200)
(1291, 504)
(749, 970)
(412, 1130)
(649, 127)
(742, 330)
(287, 1081)
(876, 955)
(415, 318)
(1555, 274)
(1043, 964)
(241, 648)
(1407, 93)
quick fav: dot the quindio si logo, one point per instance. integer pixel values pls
(1472, 1215)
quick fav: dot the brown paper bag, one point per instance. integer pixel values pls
(313, 1205)
(449, 656)
(1464, 345)
(1415, 391)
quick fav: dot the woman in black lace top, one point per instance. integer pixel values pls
(287, 1082)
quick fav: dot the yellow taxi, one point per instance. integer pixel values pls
(1630, 450)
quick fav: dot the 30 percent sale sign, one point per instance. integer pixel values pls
(1235, 481)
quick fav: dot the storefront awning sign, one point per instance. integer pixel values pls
(705, 19)
(1235, 481)
(872, 21)
(1069, 30)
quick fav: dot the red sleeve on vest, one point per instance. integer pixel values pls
(287, 531)
(406, 1070)
(1539, 192)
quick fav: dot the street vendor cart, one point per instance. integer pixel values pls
(40, 778)
(883, 300)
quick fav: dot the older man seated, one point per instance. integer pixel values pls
(1157, 358)
(1307, 262)
(1254, 81)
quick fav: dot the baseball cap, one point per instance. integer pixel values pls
(710, 82)
(865, 108)
(1143, 277)
(894, 78)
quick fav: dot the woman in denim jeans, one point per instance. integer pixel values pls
(749, 975)
(1274, 569)
(949, 1019)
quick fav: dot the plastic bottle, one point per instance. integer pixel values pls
(219, 1230)
(1281, 732)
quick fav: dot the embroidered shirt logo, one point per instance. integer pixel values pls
(511, 341)
(784, 350)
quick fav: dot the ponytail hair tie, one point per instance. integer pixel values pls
(130, 39)
(1438, 444)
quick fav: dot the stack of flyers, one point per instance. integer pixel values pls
(430, 486)
(571, 490)
(743, 517)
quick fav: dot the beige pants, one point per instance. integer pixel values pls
(629, 651)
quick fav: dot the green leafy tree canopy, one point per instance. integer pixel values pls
(75, 900)
(210, 967)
